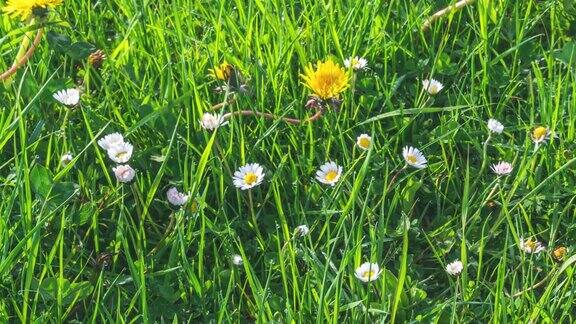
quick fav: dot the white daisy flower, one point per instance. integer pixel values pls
(414, 157)
(540, 134)
(495, 126)
(502, 168)
(237, 260)
(531, 246)
(364, 141)
(212, 121)
(175, 197)
(432, 86)
(68, 97)
(356, 63)
(110, 140)
(329, 173)
(66, 159)
(302, 230)
(454, 268)
(120, 153)
(124, 173)
(368, 272)
(248, 176)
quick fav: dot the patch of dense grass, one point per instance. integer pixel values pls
(76, 245)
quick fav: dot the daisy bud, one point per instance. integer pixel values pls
(302, 230)
(66, 159)
(175, 197)
(454, 268)
(368, 272)
(124, 173)
(237, 260)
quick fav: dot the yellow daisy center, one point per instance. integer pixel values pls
(531, 245)
(331, 175)
(369, 274)
(411, 158)
(539, 133)
(364, 142)
(121, 154)
(250, 178)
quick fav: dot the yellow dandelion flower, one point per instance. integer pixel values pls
(26, 8)
(327, 81)
(222, 72)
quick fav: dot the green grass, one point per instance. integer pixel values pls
(76, 246)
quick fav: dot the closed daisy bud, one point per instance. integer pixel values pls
(124, 173)
(454, 268)
(560, 253)
(414, 157)
(302, 230)
(110, 140)
(66, 159)
(175, 197)
(364, 141)
(368, 272)
(531, 246)
(502, 168)
(432, 86)
(329, 173)
(495, 126)
(540, 134)
(120, 153)
(68, 97)
(356, 63)
(212, 121)
(248, 176)
(237, 260)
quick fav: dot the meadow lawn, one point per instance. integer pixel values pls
(289, 161)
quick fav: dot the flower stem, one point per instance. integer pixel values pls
(457, 6)
(24, 59)
(293, 121)
(394, 178)
(254, 222)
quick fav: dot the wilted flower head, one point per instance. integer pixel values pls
(327, 81)
(120, 153)
(560, 253)
(531, 246)
(26, 8)
(68, 97)
(414, 157)
(223, 72)
(540, 134)
(66, 159)
(502, 168)
(356, 63)
(432, 86)
(248, 176)
(124, 173)
(212, 121)
(97, 58)
(175, 197)
(329, 173)
(368, 272)
(237, 260)
(454, 268)
(495, 126)
(302, 230)
(364, 141)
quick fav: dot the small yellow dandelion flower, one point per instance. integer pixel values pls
(364, 141)
(327, 81)
(223, 72)
(25, 8)
(540, 134)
